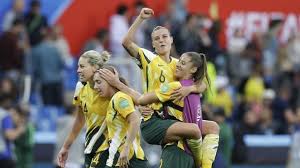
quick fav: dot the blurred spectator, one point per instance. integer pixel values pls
(24, 143)
(117, 30)
(271, 46)
(180, 9)
(8, 133)
(61, 43)
(212, 91)
(254, 87)
(237, 43)
(226, 137)
(8, 87)
(64, 124)
(48, 71)
(268, 125)
(98, 42)
(281, 106)
(189, 35)
(222, 98)
(249, 125)
(15, 13)
(11, 50)
(293, 51)
(35, 22)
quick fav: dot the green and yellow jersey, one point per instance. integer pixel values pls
(155, 72)
(94, 109)
(120, 106)
(163, 93)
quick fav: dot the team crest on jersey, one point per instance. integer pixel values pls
(165, 88)
(123, 103)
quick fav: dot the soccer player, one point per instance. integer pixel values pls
(158, 69)
(91, 111)
(123, 124)
(190, 68)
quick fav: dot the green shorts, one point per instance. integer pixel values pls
(154, 129)
(96, 160)
(174, 157)
(133, 162)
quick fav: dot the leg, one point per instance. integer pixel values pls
(181, 130)
(189, 131)
(210, 127)
(210, 142)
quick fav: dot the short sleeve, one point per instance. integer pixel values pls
(124, 105)
(145, 57)
(165, 91)
(77, 92)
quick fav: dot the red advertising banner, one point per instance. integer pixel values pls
(251, 15)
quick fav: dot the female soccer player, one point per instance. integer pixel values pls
(158, 69)
(190, 68)
(123, 124)
(91, 111)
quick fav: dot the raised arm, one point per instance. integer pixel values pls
(128, 42)
(182, 92)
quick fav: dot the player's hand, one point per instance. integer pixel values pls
(180, 93)
(123, 159)
(62, 157)
(146, 111)
(110, 77)
(146, 13)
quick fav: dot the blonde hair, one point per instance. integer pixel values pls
(95, 58)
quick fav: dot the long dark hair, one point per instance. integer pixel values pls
(199, 61)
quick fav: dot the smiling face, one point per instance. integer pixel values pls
(161, 41)
(185, 68)
(85, 70)
(101, 86)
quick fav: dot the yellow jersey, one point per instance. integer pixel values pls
(155, 72)
(94, 108)
(120, 106)
(163, 93)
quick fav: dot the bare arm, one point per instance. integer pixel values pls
(14, 133)
(128, 43)
(199, 87)
(184, 91)
(148, 98)
(77, 126)
(134, 124)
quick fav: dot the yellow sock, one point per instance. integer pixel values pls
(195, 146)
(209, 149)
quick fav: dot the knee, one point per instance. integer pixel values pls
(214, 128)
(196, 133)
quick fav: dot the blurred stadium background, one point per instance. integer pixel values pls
(253, 47)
